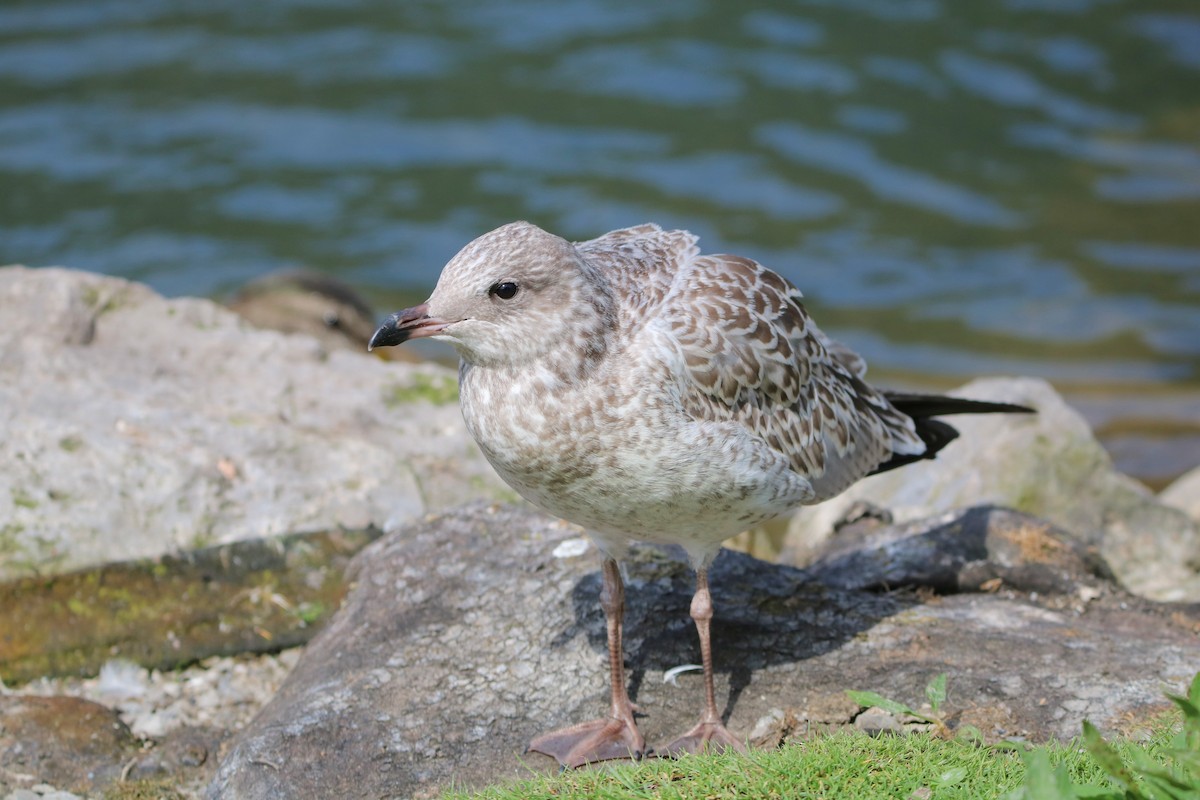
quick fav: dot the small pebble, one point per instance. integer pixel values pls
(876, 720)
(571, 547)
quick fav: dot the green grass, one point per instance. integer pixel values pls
(1163, 765)
(849, 765)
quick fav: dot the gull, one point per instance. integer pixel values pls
(648, 392)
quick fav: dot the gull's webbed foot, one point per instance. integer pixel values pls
(591, 742)
(711, 736)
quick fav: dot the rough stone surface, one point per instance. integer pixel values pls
(136, 425)
(1048, 465)
(42, 791)
(248, 596)
(1184, 494)
(67, 741)
(465, 635)
(977, 549)
(178, 721)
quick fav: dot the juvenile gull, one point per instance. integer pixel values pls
(648, 392)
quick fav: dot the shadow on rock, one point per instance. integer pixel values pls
(975, 549)
(765, 615)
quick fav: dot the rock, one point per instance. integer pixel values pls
(821, 713)
(1184, 494)
(464, 636)
(66, 741)
(181, 750)
(249, 596)
(1048, 465)
(178, 719)
(976, 549)
(1153, 436)
(136, 426)
(876, 721)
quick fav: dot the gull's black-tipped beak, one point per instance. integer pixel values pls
(411, 323)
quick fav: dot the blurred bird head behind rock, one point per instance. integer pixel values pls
(304, 301)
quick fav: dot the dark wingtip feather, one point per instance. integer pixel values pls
(933, 405)
(933, 432)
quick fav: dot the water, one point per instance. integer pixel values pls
(959, 188)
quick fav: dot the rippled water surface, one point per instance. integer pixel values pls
(959, 188)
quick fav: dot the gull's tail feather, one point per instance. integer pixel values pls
(933, 432)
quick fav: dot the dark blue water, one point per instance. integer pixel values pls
(958, 187)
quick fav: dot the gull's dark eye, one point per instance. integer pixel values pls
(506, 290)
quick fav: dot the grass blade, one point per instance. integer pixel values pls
(870, 699)
(1042, 780)
(935, 692)
(1108, 758)
(1191, 712)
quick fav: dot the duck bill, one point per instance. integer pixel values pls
(411, 323)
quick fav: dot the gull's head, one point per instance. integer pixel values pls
(512, 295)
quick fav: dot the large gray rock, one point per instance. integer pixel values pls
(469, 633)
(136, 425)
(1184, 494)
(1048, 465)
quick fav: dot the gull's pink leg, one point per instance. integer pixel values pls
(709, 732)
(615, 736)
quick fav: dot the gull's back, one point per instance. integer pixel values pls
(743, 350)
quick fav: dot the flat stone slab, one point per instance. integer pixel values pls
(469, 633)
(137, 426)
(253, 596)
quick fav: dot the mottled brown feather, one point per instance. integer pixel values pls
(754, 356)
